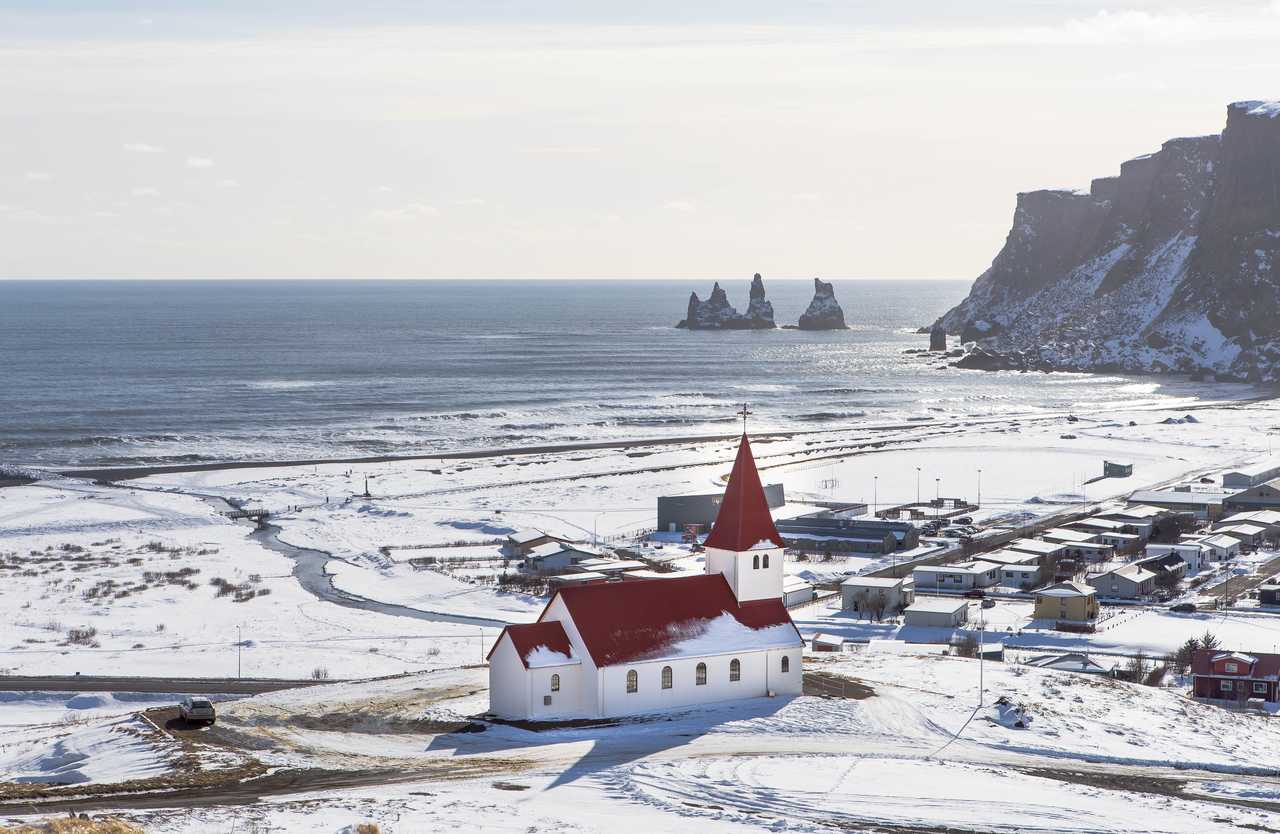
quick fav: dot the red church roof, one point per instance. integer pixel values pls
(744, 519)
(527, 637)
(647, 618)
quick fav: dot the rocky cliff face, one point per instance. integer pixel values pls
(1174, 265)
(716, 313)
(824, 311)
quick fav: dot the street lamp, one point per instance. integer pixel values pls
(937, 497)
(979, 488)
(239, 646)
(875, 495)
(917, 485)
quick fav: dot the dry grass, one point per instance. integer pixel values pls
(77, 825)
(368, 828)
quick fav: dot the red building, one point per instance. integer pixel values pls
(1235, 676)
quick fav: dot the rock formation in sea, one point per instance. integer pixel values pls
(1174, 265)
(824, 311)
(716, 313)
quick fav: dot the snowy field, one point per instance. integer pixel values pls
(912, 753)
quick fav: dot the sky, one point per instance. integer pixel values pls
(582, 138)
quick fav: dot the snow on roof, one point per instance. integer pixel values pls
(828, 639)
(1245, 529)
(794, 583)
(936, 605)
(873, 582)
(1066, 663)
(651, 618)
(1070, 535)
(1035, 546)
(1222, 541)
(1136, 511)
(1169, 496)
(743, 520)
(1071, 588)
(543, 551)
(1132, 572)
(1011, 557)
(585, 576)
(1100, 523)
(1263, 665)
(526, 536)
(538, 644)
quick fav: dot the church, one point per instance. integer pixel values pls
(609, 649)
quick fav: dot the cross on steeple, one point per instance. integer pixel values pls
(745, 413)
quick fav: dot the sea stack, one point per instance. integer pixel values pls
(716, 313)
(824, 311)
(937, 339)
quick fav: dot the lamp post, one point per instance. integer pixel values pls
(239, 646)
(982, 627)
(937, 498)
(875, 495)
(917, 485)
(979, 488)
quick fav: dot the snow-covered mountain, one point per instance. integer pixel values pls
(1174, 265)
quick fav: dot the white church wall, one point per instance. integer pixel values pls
(588, 694)
(508, 682)
(761, 672)
(565, 703)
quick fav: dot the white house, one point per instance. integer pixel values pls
(1220, 547)
(936, 613)
(1191, 552)
(607, 649)
(963, 576)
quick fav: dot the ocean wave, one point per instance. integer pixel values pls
(289, 384)
(828, 416)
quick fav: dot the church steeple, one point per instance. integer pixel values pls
(744, 545)
(743, 520)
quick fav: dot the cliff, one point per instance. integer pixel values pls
(1170, 266)
(716, 313)
(824, 311)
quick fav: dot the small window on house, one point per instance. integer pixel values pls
(700, 675)
(1259, 686)
(555, 683)
(546, 700)
(766, 560)
(786, 664)
(735, 670)
(633, 681)
(1232, 668)
(755, 562)
(666, 677)
(1228, 685)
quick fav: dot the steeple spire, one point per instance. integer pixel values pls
(744, 519)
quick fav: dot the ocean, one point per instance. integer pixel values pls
(154, 372)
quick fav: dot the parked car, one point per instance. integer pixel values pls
(975, 593)
(1183, 608)
(988, 602)
(964, 519)
(194, 709)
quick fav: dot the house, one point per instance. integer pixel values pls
(558, 557)
(795, 591)
(1125, 582)
(1190, 552)
(1269, 592)
(611, 567)
(1249, 535)
(1252, 475)
(1018, 570)
(1270, 519)
(876, 595)
(556, 582)
(1218, 547)
(1097, 524)
(827, 642)
(963, 576)
(1067, 602)
(1117, 468)
(1234, 676)
(1264, 496)
(606, 649)
(1167, 563)
(519, 544)
(677, 513)
(1203, 504)
(1073, 662)
(1046, 550)
(936, 613)
(1080, 545)
(840, 531)
(1121, 542)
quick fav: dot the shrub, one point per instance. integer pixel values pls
(82, 636)
(368, 828)
(320, 673)
(76, 825)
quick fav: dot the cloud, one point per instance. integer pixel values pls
(145, 191)
(682, 206)
(199, 162)
(470, 201)
(559, 150)
(383, 189)
(228, 184)
(410, 213)
(37, 176)
(142, 147)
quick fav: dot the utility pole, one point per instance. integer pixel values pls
(917, 485)
(937, 498)
(875, 495)
(979, 489)
(239, 645)
(982, 627)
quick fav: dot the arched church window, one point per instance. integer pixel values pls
(555, 682)
(633, 681)
(735, 670)
(755, 562)
(766, 560)
(700, 675)
(666, 677)
(786, 664)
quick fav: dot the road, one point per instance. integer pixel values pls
(186, 686)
